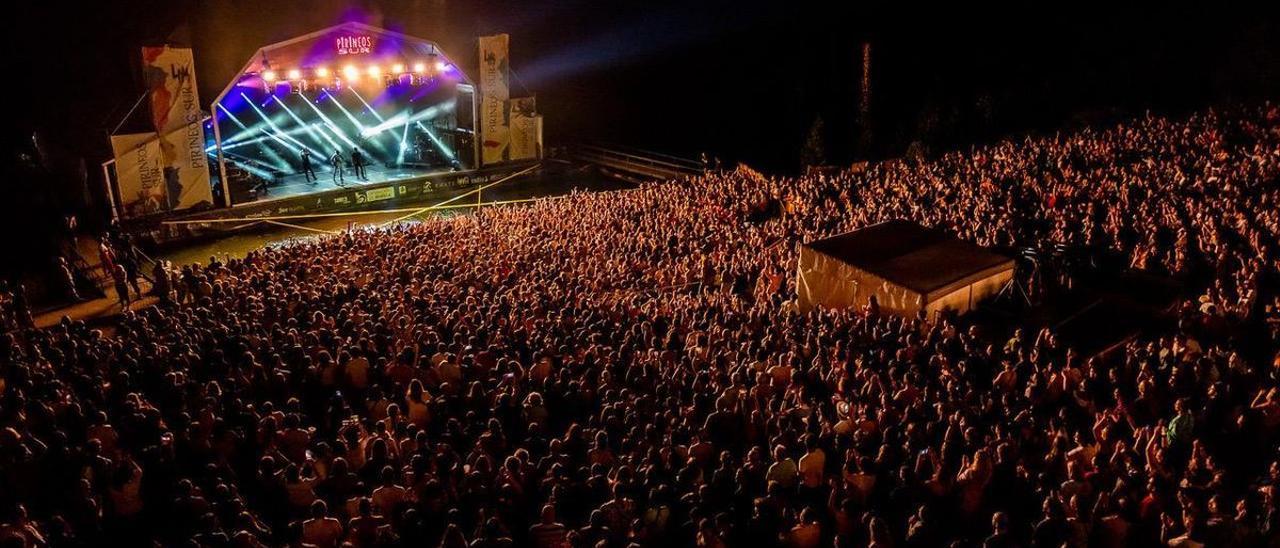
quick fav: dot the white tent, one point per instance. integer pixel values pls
(905, 266)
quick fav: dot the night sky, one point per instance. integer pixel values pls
(742, 80)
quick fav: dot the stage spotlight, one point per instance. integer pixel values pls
(436, 141)
(420, 68)
(295, 74)
(375, 71)
(441, 66)
(397, 68)
(404, 144)
(328, 122)
(351, 72)
(269, 76)
(322, 72)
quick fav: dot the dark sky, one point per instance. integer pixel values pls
(742, 79)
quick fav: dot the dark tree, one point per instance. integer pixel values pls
(814, 152)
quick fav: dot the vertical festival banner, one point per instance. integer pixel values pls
(524, 131)
(167, 169)
(495, 132)
(138, 174)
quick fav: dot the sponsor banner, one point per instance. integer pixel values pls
(166, 170)
(495, 131)
(376, 194)
(402, 190)
(525, 144)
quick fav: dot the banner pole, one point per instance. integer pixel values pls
(217, 144)
(477, 160)
(106, 184)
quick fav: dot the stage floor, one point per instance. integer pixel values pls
(291, 186)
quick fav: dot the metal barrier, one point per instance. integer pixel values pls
(636, 162)
(646, 156)
(409, 212)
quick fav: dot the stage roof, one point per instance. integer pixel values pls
(334, 47)
(925, 260)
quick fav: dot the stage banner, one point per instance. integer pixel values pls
(495, 131)
(138, 174)
(494, 67)
(175, 113)
(178, 147)
(153, 176)
(524, 131)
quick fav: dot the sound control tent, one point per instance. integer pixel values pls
(905, 266)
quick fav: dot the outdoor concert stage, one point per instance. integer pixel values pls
(346, 95)
(342, 98)
(336, 100)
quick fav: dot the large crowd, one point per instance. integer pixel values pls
(628, 368)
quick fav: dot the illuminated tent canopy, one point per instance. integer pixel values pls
(346, 53)
(906, 267)
(400, 100)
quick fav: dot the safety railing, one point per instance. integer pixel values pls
(642, 154)
(652, 165)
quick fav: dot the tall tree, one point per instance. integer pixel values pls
(814, 152)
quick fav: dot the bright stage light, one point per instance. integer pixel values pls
(441, 66)
(375, 71)
(351, 72)
(420, 68)
(361, 128)
(436, 141)
(298, 119)
(328, 123)
(269, 76)
(322, 72)
(406, 118)
(275, 132)
(368, 107)
(233, 118)
(397, 68)
(295, 74)
(404, 144)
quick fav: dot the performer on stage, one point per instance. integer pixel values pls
(336, 162)
(357, 162)
(306, 167)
